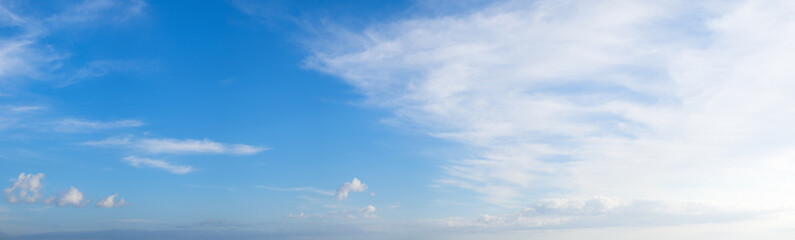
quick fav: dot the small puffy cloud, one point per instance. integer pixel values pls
(302, 215)
(177, 146)
(163, 165)
(368, 212)
(110, 202)
(353, 186)
(72, 197)
(27, 188)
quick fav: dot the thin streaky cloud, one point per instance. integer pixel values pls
(76, 125)
(188, 146)
(157, 164)
(178, 146)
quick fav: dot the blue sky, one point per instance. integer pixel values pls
(244, 119)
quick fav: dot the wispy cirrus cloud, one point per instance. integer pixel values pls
(158, 164)
(193, 146)
(26, 58)
(178, 146)
(566, 98)
(97, 12)
(22, 57)
(100, 68)
(76, 125)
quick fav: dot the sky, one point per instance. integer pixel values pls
(416, 119)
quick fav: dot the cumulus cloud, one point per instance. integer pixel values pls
(620, 98)
(369, 212)
(110, 202)
(176, 146)
(353, 186)
(159, 164)
(27, 188)
(72, 197)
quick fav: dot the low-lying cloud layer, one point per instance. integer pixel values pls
(29, 188)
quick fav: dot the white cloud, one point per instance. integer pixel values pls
(353, 186)
(346, 214)
(163, 165)
(599, 211)
(113, 141)
(99, 68)
(72, 197)
(188, 146)
(670, 100)
(21, 109)
(27, 188)
(597, 204)
(94, 12)
(110, 202)
(176, 146)
(369, 212)
(25, 58)
(74, 125)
